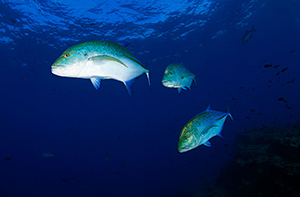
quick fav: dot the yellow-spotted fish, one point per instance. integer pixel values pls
(202, 128)
(98, 60)
(178, 76)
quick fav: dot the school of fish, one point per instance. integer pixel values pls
(100, 60)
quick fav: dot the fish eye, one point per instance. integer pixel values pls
(170, 73)
(67, 54)
(185, 137)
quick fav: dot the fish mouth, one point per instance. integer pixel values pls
(57, 69)
(166, 83)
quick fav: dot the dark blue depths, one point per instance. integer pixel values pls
(106, 143)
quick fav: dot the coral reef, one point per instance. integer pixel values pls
(266, 163)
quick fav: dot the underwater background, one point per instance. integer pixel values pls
(61, 137)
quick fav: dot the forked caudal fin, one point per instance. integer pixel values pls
(148, 77)
(230, 114)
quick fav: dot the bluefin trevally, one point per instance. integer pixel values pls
(247, 35)
(202, 128)
(178, 76)
(98, 60)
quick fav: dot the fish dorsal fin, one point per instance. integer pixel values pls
(207, 143)
(223, 116)
(101, 59)
(129, 85)
(96, 82)
(208, 108)
(124, 44)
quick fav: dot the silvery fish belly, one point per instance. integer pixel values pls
(201, 128)
(178, 76)
(98, 60)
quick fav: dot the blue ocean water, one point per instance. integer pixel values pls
(106, 143)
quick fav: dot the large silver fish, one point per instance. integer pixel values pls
(247, 35)
(98, 60)
(178, 76)
(201, 128)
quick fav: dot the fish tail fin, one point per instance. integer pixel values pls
(229, 113)
(148, 77)
(195, 82)
(253, 29)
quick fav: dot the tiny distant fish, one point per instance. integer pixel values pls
(65, 180)
(178, 76)
(7, 158)
(292, 51)
(280, 99)
(123, 165)
(247, 35)
(264, 60)
(47, 154)
(100, 60)
(277, 73)
(201, 128)
(267, 65)
(285, 69)
(276, 66)
(252, 110)
(248, 118)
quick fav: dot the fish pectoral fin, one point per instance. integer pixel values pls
(188, 75)
(96, 81)
(102, 59)
(129, 85)
(207, 143)
(179, 90)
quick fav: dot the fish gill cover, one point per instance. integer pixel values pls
(61, 137)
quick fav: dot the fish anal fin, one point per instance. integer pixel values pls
(96, 81)
(100, 59)
(129, 85)
(220, 135)
(179, 90)
(207, 143)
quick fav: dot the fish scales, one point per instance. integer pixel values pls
(98, 60)
(201, 128)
